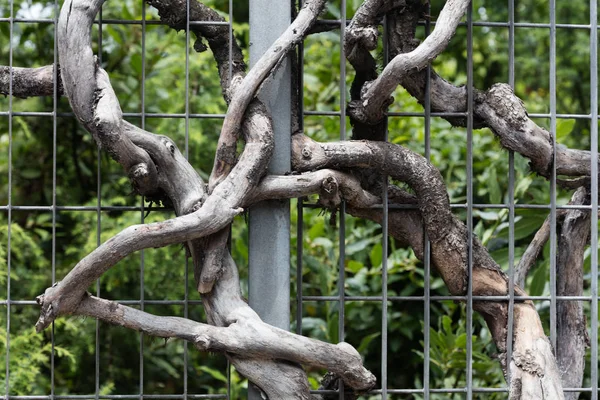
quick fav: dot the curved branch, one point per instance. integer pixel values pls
(376, 95)
(248, 337)
(245, 91)
(498, 108)
(532, 366)
(325, 182)
(92, 97)
(360, 39)
(63, 297)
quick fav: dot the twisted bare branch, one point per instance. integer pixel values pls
(248, 337)
(245, 92)
(376, 95)
(532, 366)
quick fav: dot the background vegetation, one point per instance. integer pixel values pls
(148, 73)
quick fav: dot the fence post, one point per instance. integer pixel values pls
(269, 222)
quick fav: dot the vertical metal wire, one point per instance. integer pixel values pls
(553, 244)
(142, 200)
(342, 228)
(384, 245)
(300, 204)
(426, 244)
(511, 199)
(469, 369)
(98, 224)
(299, 257)
(594, 190)
(9, 199)
(54, 150)
(186, 357)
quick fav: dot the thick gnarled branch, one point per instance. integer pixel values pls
(248, 337)
(532, 365)
(245, 92)
(376, 94)
(572, 338)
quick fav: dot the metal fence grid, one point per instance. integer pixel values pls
(386, 300)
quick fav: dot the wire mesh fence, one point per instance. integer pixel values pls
(349, 280)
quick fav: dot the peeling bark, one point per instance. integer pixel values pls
(29, 82)
(572, 338)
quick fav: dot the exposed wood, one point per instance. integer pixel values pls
(321, 182)
(572, 338)
(245, 335)
(93, 100)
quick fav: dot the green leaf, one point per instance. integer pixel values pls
(136, 63)
(375, 255)
(364, 343)
(323, 242)
(214, 373)
(563, 128)
(357, 246)
(333, 328)
(494, 187)
(538, 281)
(354, 266)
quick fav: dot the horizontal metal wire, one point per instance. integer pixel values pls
(50, 114)
(337, 298)
(117, 396)
(305, 205)
(114, 22)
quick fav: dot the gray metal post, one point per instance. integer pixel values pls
(269, 222)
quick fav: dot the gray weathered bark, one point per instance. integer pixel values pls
(572, 338)
(532, 367)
